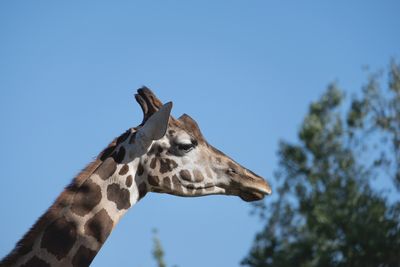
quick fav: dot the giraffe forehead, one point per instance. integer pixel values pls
(183, 137)
(181, 129)
(175, 136)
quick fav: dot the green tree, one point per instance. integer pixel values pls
(158, 251)
(327, 210)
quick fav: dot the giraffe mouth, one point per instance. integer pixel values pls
(194, 190)
(246, 193)
(251, 196)
(254, 192)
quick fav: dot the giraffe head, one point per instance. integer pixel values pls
(179, 161)
(163, 154)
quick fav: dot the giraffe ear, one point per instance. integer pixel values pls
(156, 125)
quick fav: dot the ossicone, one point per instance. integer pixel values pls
(148, 102)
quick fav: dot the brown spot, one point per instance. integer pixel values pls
(140, 169)
(124, 170)
(153, 163)
(128, 181)
(99, 226)
(142, 190)
(36, 262)
(120, 155)
(24, 245)
(123, 137)
(155, 150)
(152, 150)
(120, 196)
(153, 180)
(198, 176)
(83, 257)
(171, 132)
(177, 184)
(185, 175)
(86, 198)
(167, 165)
(59, 237)
(167, 183)
(106, 169)
(107, 152)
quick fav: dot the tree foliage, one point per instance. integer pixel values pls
(158, 251)
(327, 210)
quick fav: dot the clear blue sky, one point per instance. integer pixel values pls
(245, 70)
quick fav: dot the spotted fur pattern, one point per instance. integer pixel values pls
(181, 163)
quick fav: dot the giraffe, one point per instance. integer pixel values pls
(162, 155)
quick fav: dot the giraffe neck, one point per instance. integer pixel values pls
(76, 226)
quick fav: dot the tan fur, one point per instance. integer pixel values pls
(63, 200)
(103, 191)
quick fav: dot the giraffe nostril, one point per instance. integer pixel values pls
(232, 171)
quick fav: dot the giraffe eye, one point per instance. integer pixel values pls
(185, 147)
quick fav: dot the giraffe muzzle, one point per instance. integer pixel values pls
(244, 183)
(248, 186)
(255, 191)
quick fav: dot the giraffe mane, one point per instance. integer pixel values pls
(25, 244)
(149, 104)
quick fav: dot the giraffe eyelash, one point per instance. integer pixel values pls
(186, 147)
